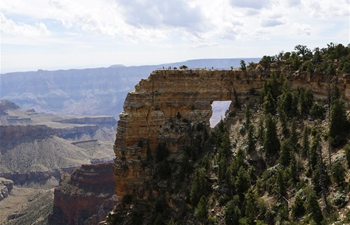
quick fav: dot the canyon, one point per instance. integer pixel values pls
(35, 147)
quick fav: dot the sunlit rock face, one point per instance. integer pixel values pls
(167, 107)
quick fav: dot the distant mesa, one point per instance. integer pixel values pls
(117, 65)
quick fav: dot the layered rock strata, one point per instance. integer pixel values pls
(85, 196)
(164, 109)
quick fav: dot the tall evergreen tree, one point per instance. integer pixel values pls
(201, 210)
(250, 207)
(305, 144)
(285, 153)
(198, 185)
(232, 213)
(338, 173)
(313, 152)
(314, 208)
(269, 105)
(251, 141)
(339, 125)
(271, 141)
(237, 103)
(298, 208)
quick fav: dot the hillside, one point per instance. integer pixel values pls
(281, 156)
(33, 144)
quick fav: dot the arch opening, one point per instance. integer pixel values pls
(219, 109)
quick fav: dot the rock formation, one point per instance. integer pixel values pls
(6, 187)
(85, 195)
(166, 108)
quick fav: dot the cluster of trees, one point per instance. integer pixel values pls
(318, 60)
(289, 163)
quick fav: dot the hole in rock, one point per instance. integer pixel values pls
(219, 109)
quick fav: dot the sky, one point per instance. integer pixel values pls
(63, 34)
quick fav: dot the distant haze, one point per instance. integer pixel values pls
(94, 91)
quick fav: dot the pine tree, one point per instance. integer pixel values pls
(306, 101)
(269, 105)
(237, 104)
(247, 116)
(313, 152)
(293, 170)
(242, 183)
(281, 186)
(347, 154)
(271, 142)
(338, 173)
(250, 207)
(293, 139)
(298, 209)
(285, 153)
(237, 162)
(251, 141)
(222, 169)
(339, 125)
(314, 208)
(198, 185)
(201, 210)
(286, 103)
(283, 121)
(305, 144)
(232, 213)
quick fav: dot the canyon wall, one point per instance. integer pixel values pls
(166, 109)
(85, 196)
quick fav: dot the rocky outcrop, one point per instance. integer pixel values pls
(85, 195)
(170, 105)
(102, 121)
(7, 105)
(13, 133)
(6, 187)
(35, 177)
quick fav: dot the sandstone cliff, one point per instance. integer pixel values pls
(85, 195)
(166, 108)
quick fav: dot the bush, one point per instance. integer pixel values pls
(161, 152)
(127, 199)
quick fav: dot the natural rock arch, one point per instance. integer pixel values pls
(164, 106)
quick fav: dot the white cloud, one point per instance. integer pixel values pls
(183, 24)
(270, 23)
(301, 29)
(254, 4)
(9, 27)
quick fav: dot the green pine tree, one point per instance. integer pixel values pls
(271, 141)
(201, 210)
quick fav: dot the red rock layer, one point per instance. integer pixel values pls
(85, 193)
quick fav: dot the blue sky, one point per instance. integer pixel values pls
(63, 34)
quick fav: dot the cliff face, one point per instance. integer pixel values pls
(167, 107)
(86, 195)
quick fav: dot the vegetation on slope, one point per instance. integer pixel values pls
(280, 158)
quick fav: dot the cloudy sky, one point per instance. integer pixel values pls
(54, 34)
